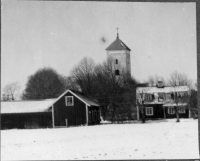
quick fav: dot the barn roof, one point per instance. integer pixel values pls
(81, 96)
(35, 106)
(85, 98)
(118, 45)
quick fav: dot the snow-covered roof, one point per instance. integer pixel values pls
(162, 90)
(174, 104)
(81, 96)
(153, 103)
(37, 106)
(26, 106)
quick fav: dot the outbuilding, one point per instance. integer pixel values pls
(26, 114)
(72, 108)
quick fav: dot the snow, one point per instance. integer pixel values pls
(161, 139)
(162, 90)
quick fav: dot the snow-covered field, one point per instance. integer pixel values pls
(164, 139)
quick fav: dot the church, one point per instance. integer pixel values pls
(119, 54)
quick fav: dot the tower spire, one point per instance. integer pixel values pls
(117, 33)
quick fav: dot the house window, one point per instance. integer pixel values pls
(168, 96)
(148, 97)
(69, 100)
(116, 61)
(149, 111)
(161, 97)
(171, 110)
(181, 110)
(117, 72)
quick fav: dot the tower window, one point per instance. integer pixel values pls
(116, 61)
(117, 72)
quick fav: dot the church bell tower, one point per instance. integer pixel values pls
(119, 54)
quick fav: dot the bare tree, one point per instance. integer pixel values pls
(10, 91)
(140, 104)
(153, 80)
(102, 83)
(117, 88)
(83, 75)
(68, 83)
(178, 79)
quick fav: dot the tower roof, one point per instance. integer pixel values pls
(118, 45)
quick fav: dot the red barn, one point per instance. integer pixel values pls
(72, 108)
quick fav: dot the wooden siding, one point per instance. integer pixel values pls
(157, 112)
(160, 112)
(26, 120)
(75, 115)
(181, 115)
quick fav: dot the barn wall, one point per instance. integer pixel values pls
(75, 115)
(26, 120)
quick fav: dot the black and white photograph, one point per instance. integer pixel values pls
(99, 80)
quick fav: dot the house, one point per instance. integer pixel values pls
(72, 108)
(160, 101)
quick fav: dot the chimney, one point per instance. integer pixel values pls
(160, 84)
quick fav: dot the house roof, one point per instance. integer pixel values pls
(26, 106)
(162, 90)
(174, 104)
(81, 96)
(118, 45)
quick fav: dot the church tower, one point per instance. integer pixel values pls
(119, 54)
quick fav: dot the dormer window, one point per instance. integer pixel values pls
(116, 61)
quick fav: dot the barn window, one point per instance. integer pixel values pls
(149, 111)
(181, 110)
(69, 100)
(171, 110)
(117, 72)
(116, 61)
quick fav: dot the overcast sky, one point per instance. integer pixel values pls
(58, 34)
